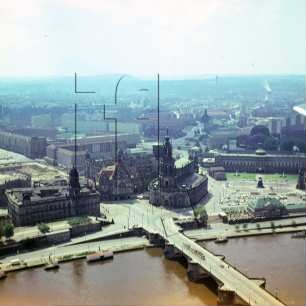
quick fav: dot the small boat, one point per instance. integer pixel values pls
(2, 275)
(108, 255)
(52, 265)
(94, 257)
(221, 239)
(299, 235)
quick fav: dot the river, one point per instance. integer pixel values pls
(147, 278)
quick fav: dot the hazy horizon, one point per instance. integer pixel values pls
(151, 77)
(177, 39)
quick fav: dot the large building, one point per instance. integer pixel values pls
(260, 161)
(116, 181)
(179, 184)
(11, 180)
(267, 208)
(29, 206)
(32, 147)
(98, 147)
(138, 167)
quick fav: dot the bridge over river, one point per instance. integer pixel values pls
(233, 286)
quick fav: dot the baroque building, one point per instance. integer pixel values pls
(29, 206)
(116, 181)
(260, 161)
(137, 166)
(179, 184)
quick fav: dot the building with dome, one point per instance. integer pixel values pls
(178, 185)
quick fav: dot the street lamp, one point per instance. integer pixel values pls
(116, 136)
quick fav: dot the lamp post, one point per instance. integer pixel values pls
(116, 136)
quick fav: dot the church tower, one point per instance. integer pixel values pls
(167, 171)
(205, 121)
(74, 181)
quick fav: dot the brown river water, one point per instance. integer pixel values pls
(146, 278)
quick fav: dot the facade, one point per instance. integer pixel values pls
(179, 184)
(218, 173)
(12, 180)
(138, 169)
(29, 206)
(115, 181)
(99, 147)
(32, 147)
(49, 133)
(261, 162)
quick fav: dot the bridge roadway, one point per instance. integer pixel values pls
(229, 279)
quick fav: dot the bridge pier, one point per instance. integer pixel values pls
(225, 297)
(171, 252)
(228, 297)
(195, 272)
(261, 282)
(156, 239)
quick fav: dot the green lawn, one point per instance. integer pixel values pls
(266, 177)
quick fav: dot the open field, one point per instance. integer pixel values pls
(231, 176)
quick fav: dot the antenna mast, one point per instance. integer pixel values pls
(75, 135)
(158, 127)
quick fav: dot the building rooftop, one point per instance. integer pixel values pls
(42, 194)
(11, 176)
(265, 202)
(192, 180)
(301, 109)
(181, 162)
(271, 155)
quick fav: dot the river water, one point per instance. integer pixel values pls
(278, 258)
(146, 278)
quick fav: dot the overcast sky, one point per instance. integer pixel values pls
(143, 37)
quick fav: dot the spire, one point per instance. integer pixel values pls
(167, 161)
(74, 182)
(75, 135)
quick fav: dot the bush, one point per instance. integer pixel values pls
(201, 214)
(79, 221)
(66, 257)
(245, 226)
(258, 226)
(1, 232)
(272, 225)
(8, 230)
(43, 228)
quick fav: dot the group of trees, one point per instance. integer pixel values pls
(201, 214)
(7, 231)
(43, 228)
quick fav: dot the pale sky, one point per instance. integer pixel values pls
(143, 37)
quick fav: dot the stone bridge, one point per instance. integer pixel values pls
(233, 286)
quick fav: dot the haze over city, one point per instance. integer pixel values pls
(175, 38)
(152, 152)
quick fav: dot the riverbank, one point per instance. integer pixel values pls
(249, 229)
(70, 252)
